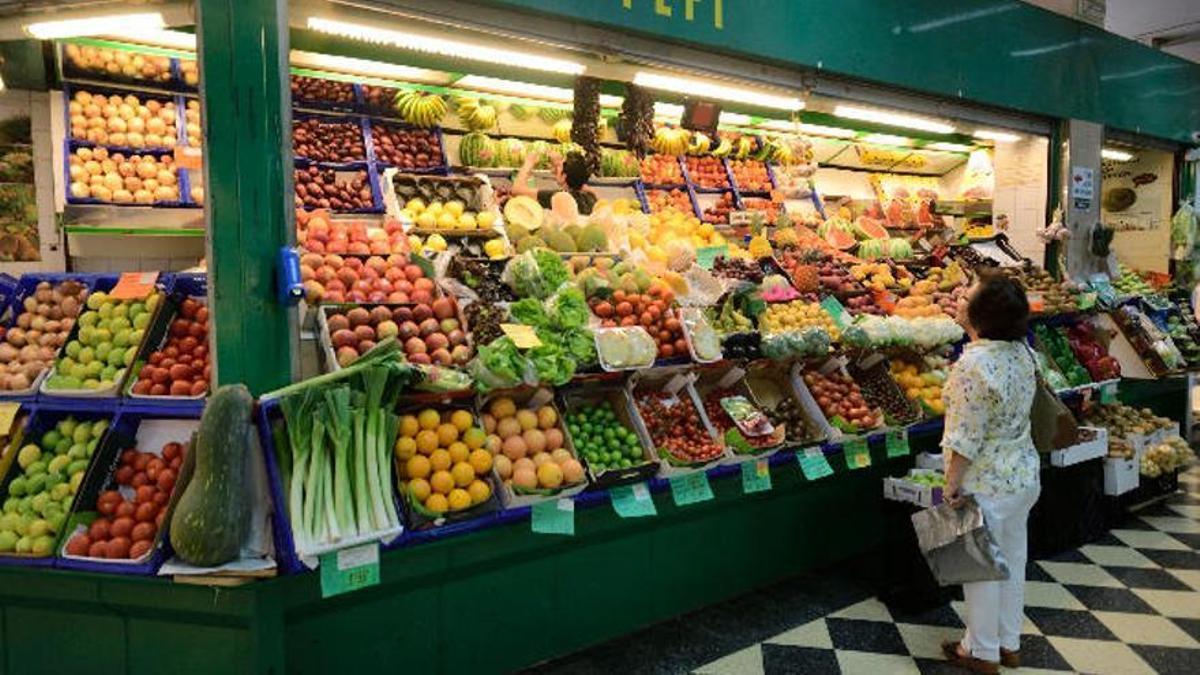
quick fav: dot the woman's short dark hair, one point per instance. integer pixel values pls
(998, 309)
(575, 170)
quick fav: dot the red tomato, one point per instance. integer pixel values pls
(108, 501)
(142, 386)
(146, 511)
(199, 388)
(143, 531)
(139, 479)
(155, 465)
(202, 315)
(124, 475)
(162, 497)
(155, 358)
(176, 463)
(158, 390)
(142, 460)
(158, 520)
(98, 549)
(128, 456)
(139, 549)
(118, 547)
(121, 527)
(166, 480)
(189, 308)
(145, 493)
(99, 530)
(181, 388)
(172, 450)
(125, 510)
(79, 544)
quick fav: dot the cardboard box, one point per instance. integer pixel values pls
(1093, 444)
(905, 490)
(1120, 475)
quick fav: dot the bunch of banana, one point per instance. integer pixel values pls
(562, 130)
(745, 146)
(476, 115)
(783, 154)
(420, 108)
(768, 150)
(553, 115)
(724, 148)
(669, 141)
(700, 144)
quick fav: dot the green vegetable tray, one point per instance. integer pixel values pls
(574, 397)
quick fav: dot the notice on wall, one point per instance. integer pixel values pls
(1083, 187)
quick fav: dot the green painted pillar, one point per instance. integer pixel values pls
(248, 157)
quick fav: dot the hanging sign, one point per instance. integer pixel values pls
(813, 464)
(756, 476)
(858, 456)
(556, 516)
(897, 444)
(632, 501)
(691, 488)
(349, 569)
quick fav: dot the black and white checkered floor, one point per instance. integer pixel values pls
(1129, 603)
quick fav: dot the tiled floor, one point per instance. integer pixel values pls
(1129, 603)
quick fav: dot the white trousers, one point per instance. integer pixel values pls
(996, 609)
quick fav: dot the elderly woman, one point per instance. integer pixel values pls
(991, 457)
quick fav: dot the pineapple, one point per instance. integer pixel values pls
(804, 275)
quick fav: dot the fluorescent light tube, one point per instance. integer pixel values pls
(886, 139)
(822, 130)
(1116, 155)
(445, 47)
(345, 64)
(948, 147)
(171, 39)
(893, 119)
(96, 25)
(737, 119)
(714, 90)
(497, 85)
(997, 136)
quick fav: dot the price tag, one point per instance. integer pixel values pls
(858, 456)
(707, 255)
(189, 158)
(1108, 393)
(8, 413)
(349, 569)
(134, 285)
(554, 517)
(1087, 300)
(691, 489)
(834, 308)
(524, 337)
(813, 464)
(632, 501)
(756, 476)
(1036, 302)
(897, 444)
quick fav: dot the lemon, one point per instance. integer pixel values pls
(440, 460)
(436, 242)
(418, 466)
(405, 448)
(459, 499)
(429, 419)
(479, 492)
(481, 460)
(414, 206)
(442, 482)
(458, 451)
(455, 207)
(485, 219)
(446, 434)
(461, 419)
(409, 426)
(463, 473)
(474, 438)
(419, 489)
(427, 441)
(437, 503)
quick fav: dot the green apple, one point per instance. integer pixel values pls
(89, 319)
(96, 299)
(105, 311)
(94, 368)
(101, 335)
(121, 338)
(8, 541)
(129, 355)
(117, 357)
(86, 335)
(28, 455)
(83, 431)
(91, 384)
(18, 487)
(141, 321)
(102, 349)
(109, 374)
(98, 428)
(86, 355)
(73, 347)
(121, 311)
(24, 545)
(42, 546)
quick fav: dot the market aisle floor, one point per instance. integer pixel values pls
(1127, 604)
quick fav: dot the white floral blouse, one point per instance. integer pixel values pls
(988, 397)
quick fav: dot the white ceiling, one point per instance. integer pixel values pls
(1143, 20)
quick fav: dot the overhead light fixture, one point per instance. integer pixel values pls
(996, 136)
(496, 85)
(886, 139)
(948, 147)
(1116, 155)
(822, 130)
(892, 119)
(715, 90)
(171, 39)
(736, 119)
(380, 69)
(445, 47)
(96, 25)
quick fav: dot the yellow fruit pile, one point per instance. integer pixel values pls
(876, 276)
(451, 215)
(673, 225)
(797, 315)
(529, 444)
(621, 206)
(443, 460)
(918, 386)
(914, 307)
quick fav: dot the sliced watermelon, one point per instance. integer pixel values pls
(869, 228)
(839, 239)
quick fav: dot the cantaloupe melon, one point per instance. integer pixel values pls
(525, 212)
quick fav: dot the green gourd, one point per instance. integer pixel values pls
(212, 516)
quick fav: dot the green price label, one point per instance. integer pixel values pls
(556, 516)
(834, 308)
(706, 255)
(897, 444)
(1108, 393)
(691, 489)
(813, 464)
(857, 454)
(756, 476)
(632, 501)
(349, 569)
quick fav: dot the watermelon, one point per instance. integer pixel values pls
(839, 238)
(869, 228)
(541, 150)
(477, 150)
(510, 152)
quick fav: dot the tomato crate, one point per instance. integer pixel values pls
(117, 484)
(21, 474)
(727, 380)
(669, 388)
(185, 293)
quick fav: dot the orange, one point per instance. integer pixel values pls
(427, 441)
(405, 448)
(463, 474)
(474, 438)
(527, 419)
(459, 499)
(442, 482)
(482, 461)
(550, 475)
(461, 419)
(437, 503)
(458, 451)
(479, 491)
(446, 434)
(429, 418)
(440, 460)
(418, 466)
(409, 426)
(503, 407)
(419, 489)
